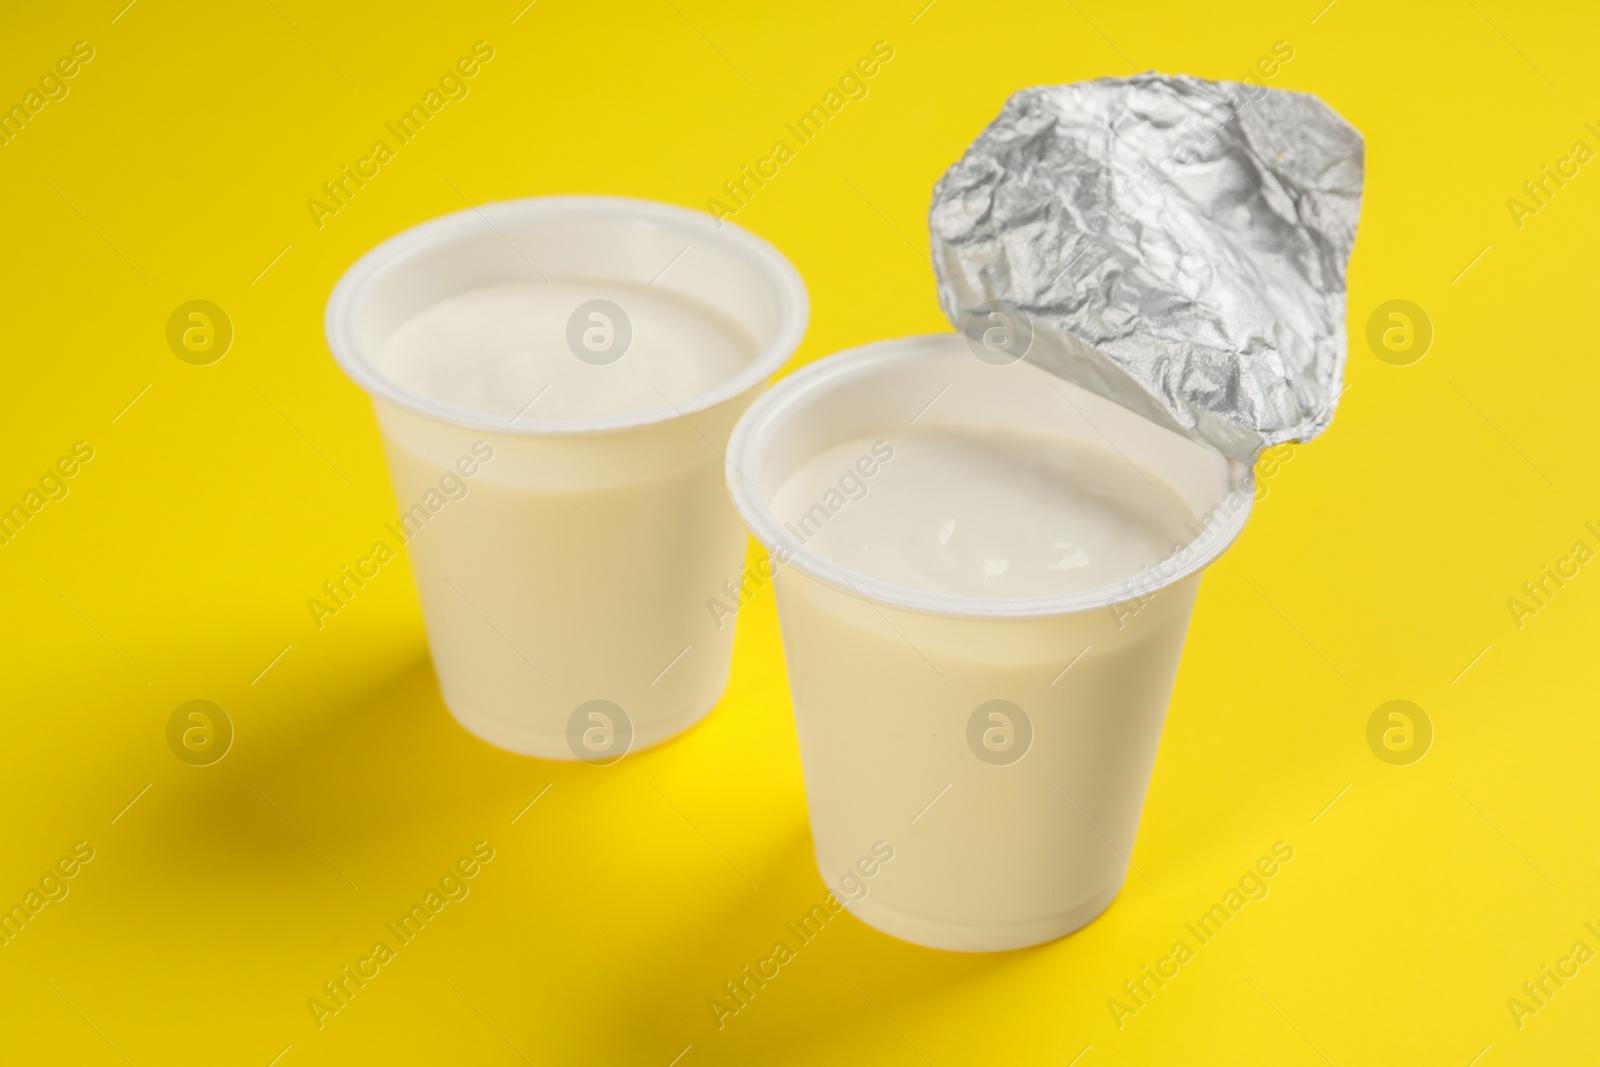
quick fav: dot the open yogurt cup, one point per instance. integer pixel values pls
(566, 539)
(997, 747)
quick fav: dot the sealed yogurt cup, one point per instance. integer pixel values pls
(555, 381)
(984, 578)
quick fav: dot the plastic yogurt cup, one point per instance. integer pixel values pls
(984, 578)
(555, 381)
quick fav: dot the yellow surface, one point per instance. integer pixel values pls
(1378, 565)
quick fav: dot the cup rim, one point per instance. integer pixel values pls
(764, 260)
(752, 436)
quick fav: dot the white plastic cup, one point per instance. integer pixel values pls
(1001, 748)
(565, 594)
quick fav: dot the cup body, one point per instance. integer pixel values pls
(1000, 748)
(575, 564)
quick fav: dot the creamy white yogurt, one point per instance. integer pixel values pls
(991, 513)
(504, 350)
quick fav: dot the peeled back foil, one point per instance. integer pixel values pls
(1176, 245)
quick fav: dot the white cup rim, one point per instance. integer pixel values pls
(751, 437)
(765, 261)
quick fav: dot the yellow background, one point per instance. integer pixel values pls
(1378, 565)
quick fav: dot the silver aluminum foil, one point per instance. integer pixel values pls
(1174, 244)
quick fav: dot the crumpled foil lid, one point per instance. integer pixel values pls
(1174, 244)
